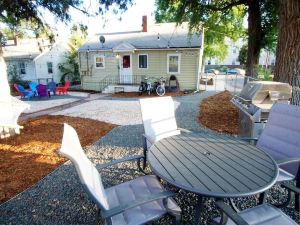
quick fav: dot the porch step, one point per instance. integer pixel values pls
(117, 88)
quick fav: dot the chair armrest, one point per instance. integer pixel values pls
(114, 162)
(291, 187)
(135, 203)
(287, 161)
(148, 138)
(249, 139)
(184, 130)
(231, 213)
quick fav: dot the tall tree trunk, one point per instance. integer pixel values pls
(288, 47)
(254, 38)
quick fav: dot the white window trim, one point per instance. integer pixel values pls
(168, 62)
(139, 62)
(99, 68)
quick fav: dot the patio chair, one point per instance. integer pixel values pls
(63, 89)
(32, 86)
(281, 140)
(24, 93)
(42, 90)
(260, 215)
(159, 120)
(51, 87)
(134, 202)
(11, 109)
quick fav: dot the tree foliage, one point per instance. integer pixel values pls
(70, 68)
(242, 58)
(218, 25)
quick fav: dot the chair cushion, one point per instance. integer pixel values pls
(263, 215)
(132, 190)
(284, 176)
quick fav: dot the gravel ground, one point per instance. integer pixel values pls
(59, 198)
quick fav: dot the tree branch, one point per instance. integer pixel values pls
(224, 7)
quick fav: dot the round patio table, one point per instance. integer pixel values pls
(212, 165)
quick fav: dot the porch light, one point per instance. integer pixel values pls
(158, 37)
(117, 56)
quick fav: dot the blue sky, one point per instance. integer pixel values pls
(130, 20)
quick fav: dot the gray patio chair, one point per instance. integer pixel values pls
(281, 140)
(134, 202)
(264, 214)
(159, 120)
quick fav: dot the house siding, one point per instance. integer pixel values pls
(56, 55)
(157, 67)
(90, 80)
(29, 68)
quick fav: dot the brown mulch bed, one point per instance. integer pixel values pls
(144, 95)
(28, 157)
(219, 114)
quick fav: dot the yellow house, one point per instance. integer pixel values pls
(123, 59)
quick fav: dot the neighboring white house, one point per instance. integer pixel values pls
(35, 59)
(266, 58)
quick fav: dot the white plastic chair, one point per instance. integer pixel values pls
(10, 110)
(134, 202)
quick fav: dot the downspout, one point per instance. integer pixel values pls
(200, 59)
(79, 61)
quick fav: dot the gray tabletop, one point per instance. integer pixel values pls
(212, 165)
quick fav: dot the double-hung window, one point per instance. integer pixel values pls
(99, 61)
(173, 65)
(143, 61)
(50, 67)
(22, 68)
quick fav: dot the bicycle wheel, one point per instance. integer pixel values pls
(160, 91)
(141, 89)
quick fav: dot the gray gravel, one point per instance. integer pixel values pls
(60, 199)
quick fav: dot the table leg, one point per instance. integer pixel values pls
(262, 198)
(199, 208)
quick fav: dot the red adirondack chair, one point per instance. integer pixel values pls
(63, 89)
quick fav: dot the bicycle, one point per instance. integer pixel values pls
(143, 86)
(160, 87)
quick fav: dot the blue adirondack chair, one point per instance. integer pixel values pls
(27, 94)
(52, 87)
(33, 86)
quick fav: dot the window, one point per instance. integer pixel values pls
(143, 61)
(22, 68)
(126, 61)
(174, 63)
(50, 67)
(99, 62)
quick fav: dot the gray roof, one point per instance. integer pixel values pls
(25, 49)
(170, 36)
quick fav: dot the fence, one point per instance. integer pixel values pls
(233, 83)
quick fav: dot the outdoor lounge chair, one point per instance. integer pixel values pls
(24, 93)
(42, 90)
(32, 86)
(11, 110)
(134, 202)
(63, 89)
(159, 120)
(264, 214)
(281, 140)
(52, 87)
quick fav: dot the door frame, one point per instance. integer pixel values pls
(129, 77)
